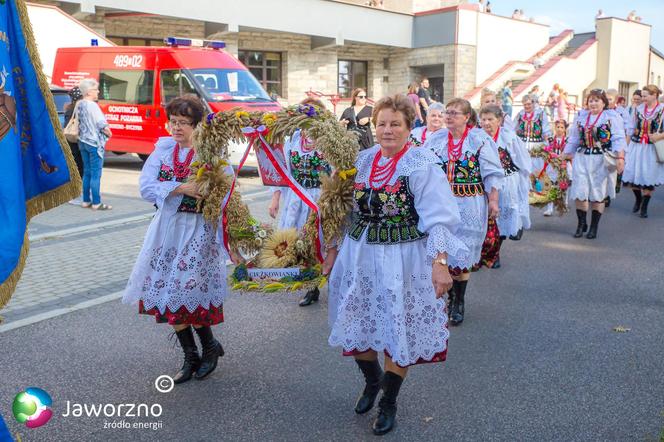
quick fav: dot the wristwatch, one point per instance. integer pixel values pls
(441, 261)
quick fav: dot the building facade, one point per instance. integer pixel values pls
(330, 47)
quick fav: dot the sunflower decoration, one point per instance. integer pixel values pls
(279, 249)
(544, 190)
(259, 245)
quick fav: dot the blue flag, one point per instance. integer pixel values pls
(37, 171)
(5, 436)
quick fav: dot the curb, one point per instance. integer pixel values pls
(59, 312)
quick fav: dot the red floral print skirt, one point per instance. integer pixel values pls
(201, 316)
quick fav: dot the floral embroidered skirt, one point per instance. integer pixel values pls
(201, 316)
(490, 247)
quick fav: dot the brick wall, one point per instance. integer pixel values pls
(406, 66)
(154, 27)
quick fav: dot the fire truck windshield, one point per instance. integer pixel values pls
(228, 85)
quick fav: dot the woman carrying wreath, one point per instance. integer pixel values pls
(180, 274)
(305, 164)
(532, 127)
(594, 134)
(473, 170)
(389, 278)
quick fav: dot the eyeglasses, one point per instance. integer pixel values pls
(361, 96)
(453, 113)
(179, 123)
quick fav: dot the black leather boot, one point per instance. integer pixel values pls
(456, 315)
(191, 358)
(607, 201)
(310, 297)
(212, 351)
(451, 308)
(387, 406)
(518, 235)
(582, 226)
(373, 375)
(594, 222)
(618, 183)
(637, 202)
(644, 206)
(496, 264)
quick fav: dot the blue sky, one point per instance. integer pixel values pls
(579, 15)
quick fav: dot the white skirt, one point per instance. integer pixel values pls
(591, 180)
(471, 230)
(182, 263)
(381, 298)
(641, 166)
(510, 203)
(294, 212)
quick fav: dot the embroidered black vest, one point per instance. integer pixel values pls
(188, 204)
(466, 178)
(601, 139)
(306, 169)
(642, 129)
(535, 134)
(388, 214)
(506, 161)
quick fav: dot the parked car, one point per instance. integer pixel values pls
(62, 99)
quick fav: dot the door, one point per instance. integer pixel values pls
(126, 96)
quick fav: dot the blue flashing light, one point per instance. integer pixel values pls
(176, 41)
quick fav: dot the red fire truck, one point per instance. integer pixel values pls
(136, 82)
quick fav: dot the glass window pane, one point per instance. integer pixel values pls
(272, 75)
(273, 59)
(344, 67)
(359, 67)
(257, 72)
(360, 80)
(255, 59)
(131, 87)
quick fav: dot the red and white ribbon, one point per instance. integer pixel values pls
(259, 133)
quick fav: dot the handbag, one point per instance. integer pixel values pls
(362, 132)
(71, 130)
(659, 150)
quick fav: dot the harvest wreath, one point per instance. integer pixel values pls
(271, 260)
(543, 189)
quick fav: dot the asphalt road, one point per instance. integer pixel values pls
(536, 359)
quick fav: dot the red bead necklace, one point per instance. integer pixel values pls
(181, 170)
(495, 137)
(381, 175)
(454, 150)
(649, 114)
(588, 128)
(558, 146)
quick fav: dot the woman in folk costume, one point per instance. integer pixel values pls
(595, 134)
(474, 171)
(642, 170)
(489, 98)
(514, 214)
(421, 136)
(532, 127)
(390, 276)
(612, 95)
(306, 165)
(180, 274)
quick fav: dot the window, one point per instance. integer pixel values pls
(352, 74)
(131, 41)
(174, 83)
(266, 67)
(129, 87)
(624, 89)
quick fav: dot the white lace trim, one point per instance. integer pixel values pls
(409, 323)
(441, 240)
